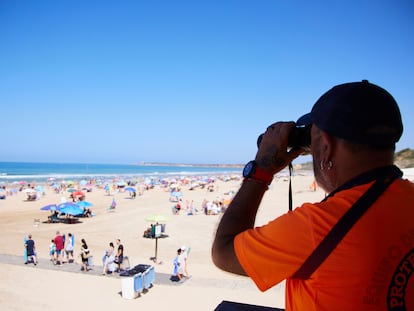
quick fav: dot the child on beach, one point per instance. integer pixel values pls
(52, 251)
(176, 276)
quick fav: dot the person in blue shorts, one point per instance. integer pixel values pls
(31, 250)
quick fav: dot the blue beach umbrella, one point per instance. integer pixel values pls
(50, 207)
(176, 194)
(70, 208)
(84, 204)
(130, 189)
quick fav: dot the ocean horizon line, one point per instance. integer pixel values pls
(46, 170)
(141, 163)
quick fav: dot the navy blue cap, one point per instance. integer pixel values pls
(360, 112)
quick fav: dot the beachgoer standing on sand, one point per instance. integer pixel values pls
(109, 265)
(69, 248)
(59, 247)
(85, 254)
(31, 250)
(183, 258)
(176, 276)
(52, 251)
(119, 255)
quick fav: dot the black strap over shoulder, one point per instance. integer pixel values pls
(345, 223)
(290, 186)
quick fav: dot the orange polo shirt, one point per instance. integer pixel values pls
(370, 269)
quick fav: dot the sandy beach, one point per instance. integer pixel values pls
(25, 287)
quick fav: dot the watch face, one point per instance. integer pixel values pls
(249, 169)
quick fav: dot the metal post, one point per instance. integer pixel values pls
(156, 249)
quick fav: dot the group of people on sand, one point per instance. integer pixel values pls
(213, 207)
(113, 259)
(62, 247)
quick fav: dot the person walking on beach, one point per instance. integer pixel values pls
(183, 258)
(31, 250)
(69, 248)
(109, 261)
(59, 247)
(85, 254)
(119, 255)
(353, 129)
(176, 275)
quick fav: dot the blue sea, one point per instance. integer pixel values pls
(18, 171)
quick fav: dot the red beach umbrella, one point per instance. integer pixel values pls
(78, 194)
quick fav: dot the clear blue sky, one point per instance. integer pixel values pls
(186, 81)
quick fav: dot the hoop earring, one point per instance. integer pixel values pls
(321, 165)
(330, 164)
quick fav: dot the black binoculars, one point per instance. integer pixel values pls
(300, 137)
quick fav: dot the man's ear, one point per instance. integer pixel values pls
(327, 145)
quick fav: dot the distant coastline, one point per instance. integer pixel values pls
(403, 159)
(188, 165)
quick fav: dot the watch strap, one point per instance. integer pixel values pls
(261, 175)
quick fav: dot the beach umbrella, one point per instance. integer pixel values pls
(87, 187)
(130, 189)
(84, 204)
(174, 186)
(69, 183)
(70, 208)
(29, 190)
(50, 207)
(176, 194)
(78, 194)
(71, 190)
(156, 218)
